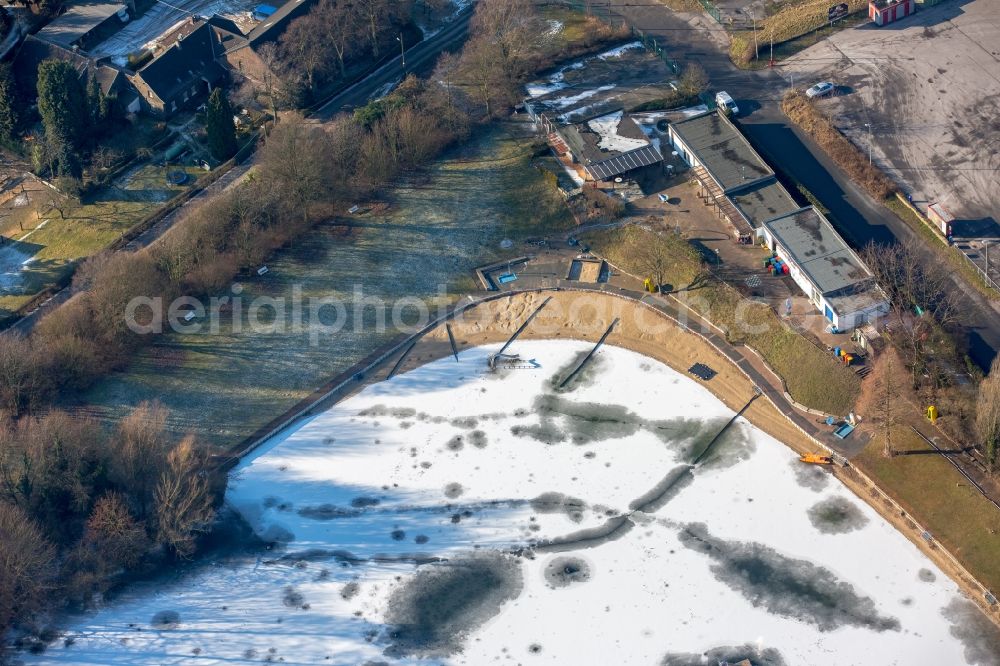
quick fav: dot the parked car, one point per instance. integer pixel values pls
(820, 90)
(724, 101)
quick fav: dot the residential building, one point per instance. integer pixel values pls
(184, 73)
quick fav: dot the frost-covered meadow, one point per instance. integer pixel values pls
(453, 515)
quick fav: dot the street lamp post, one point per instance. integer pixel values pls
(869, 126)
(402, 49)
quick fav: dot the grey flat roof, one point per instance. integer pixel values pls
(78, 21)
(722, 149)
(818, 250)
(763, 201)
(857, 301)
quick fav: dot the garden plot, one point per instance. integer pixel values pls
(452, 515)
(69, 232)
(437, 229)
(933, 107)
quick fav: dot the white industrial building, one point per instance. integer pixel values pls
(832, 275)
(745, 190)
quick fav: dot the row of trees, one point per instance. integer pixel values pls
(72, 113)
(78, 506)
(317, 48)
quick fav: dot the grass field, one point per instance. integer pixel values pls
(437, 228)
(811, 375)
(947, 505)
(64, 235)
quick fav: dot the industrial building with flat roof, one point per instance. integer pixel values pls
(715, 143)
(746, 191)
(732, 175)
(830, 273)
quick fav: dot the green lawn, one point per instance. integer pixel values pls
(70, 232)
(942, 500)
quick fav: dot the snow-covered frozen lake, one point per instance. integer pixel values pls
(452, 515)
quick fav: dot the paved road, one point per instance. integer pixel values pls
(420, 59)
(758, 94)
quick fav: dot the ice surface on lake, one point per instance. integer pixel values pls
(575, 530)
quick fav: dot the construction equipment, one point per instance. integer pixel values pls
(816, 459)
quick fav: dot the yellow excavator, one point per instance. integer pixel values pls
(816, 459)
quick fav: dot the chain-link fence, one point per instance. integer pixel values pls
(711, 10)
(655, 46)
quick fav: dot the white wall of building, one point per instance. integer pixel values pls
(842, 320)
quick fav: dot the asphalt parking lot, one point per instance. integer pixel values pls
(929, 87)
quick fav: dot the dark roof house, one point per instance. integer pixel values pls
(32, 52)
(609, 145)
(183, 73)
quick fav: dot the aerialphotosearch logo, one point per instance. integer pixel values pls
(316, 316)
(575, 313)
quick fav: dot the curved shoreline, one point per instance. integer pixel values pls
(493, 318)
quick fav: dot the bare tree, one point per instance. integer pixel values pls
(115, 534)
(342, 22)
(694, 79)
(374, 12)
(21, 378)
(305, 47)
(988, 414)
(140, 451)
(508, 28)
(654, 258)
(914, 284)
(270, 56)
(886, 410)
(295, 159)
(910, 280)
(183, 499)
(488, 77)
(27, 566)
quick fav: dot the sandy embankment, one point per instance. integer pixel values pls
(586, 315)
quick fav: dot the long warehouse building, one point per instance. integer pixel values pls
(745, 189)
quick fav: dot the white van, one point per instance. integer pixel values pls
(725, 102)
